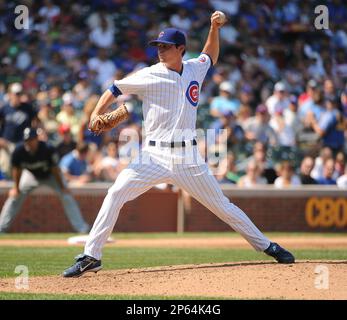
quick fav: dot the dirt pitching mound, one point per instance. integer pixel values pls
(252, 280)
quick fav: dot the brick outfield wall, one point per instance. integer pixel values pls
(323, 210)
(155, 211)
(308, 209)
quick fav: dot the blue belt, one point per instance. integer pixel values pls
(171, 144)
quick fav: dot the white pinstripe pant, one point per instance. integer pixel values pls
(165, 167)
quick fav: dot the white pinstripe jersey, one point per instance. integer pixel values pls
(170, 99)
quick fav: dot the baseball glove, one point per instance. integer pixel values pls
(107, 121)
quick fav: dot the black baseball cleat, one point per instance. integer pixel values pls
(82, 265)
(281, 255)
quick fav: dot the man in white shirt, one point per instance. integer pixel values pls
(170, 94)
(105, 69)
(103, 35)
(342, 180)
(279, 101)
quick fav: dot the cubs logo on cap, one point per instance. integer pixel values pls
(192, 93)
(170, 36)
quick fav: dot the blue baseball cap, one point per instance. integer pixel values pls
(293, 99)
(29, 133)
(170, 36)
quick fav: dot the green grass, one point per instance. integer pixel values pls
(52, 261)
(171, 235)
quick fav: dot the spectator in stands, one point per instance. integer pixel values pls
(48, 58)
(341, 64)
(227, 172)
(324, 155)
(15, 116)
(329, 89)
(340, 162)
(286, 176)
(268, 64)
(225, 102)
(2, 93)
(286, 134)
(56, 70)
(330, 126)
(66, 143)
(2, 176)
(342, 180)
(306, 168)
(312, 108)
(246, 96)
(103, 66)
(108, 168)
(266, 165)
(68, 116)
(74, 165)
(252, 177)
(279, 101)
(103, 35)
(229, 35)
(55, 97)
(82, 90)
(257, 128)
(46, 115)
(220, 75)
(181, 20)
(49, 11)
(343, 100)
(307, 96)
(244, 114)
(96, 16)
(234, 134)
(291, 116)
(328, 172)
(93, 159)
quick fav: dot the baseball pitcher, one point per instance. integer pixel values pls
(169, 91)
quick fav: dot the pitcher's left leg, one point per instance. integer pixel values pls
(204, 187)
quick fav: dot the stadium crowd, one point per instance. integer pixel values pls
(279, 90)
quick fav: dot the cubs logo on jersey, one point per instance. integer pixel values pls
(192, 93)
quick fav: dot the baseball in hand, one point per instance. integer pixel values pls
(221, 17)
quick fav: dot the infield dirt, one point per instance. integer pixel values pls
(251, 280)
